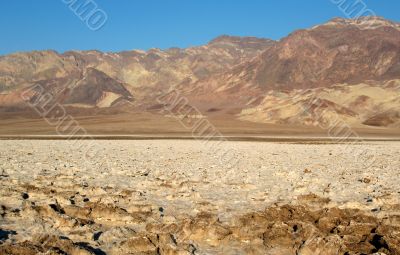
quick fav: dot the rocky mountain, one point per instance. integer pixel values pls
(342, 58)
(141, 73)
(347, 69)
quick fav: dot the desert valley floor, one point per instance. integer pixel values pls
(181, 197)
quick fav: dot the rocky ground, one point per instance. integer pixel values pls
(176, 197)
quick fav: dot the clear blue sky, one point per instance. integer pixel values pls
(142, 24)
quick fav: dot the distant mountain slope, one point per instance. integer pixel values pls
(141, 72)
(347, 68)
(352, 104)
(339, 52)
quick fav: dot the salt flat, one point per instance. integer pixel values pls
(179, 197)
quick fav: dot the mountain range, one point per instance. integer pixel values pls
(343, 69)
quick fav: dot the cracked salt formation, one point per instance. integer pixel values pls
(174, 197)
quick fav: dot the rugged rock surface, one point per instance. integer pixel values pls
(279, 199)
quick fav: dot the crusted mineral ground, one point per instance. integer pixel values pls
(176, 197)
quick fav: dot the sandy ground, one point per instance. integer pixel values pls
(152, 125)
(183, 197)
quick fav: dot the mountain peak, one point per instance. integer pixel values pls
(364, 23)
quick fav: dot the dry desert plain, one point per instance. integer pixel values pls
(276, 184)
(179, 197)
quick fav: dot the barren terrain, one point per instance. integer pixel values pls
(179, 197)
(125, 125)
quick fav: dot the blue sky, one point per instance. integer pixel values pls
(142, 24)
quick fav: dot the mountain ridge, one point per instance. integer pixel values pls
(233, 74)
